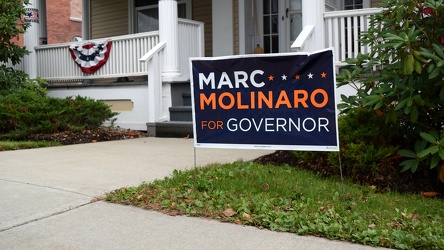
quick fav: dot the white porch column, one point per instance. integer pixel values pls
(32, 36)
(168, 32)
(85, 19)
(313, 14)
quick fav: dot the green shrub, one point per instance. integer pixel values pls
(363, 146)
(12, 24)
(84, 113)
(27, 110)
(11, 78)
(402, 77)
(363, 142)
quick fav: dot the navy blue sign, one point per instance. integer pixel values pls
(280, 101)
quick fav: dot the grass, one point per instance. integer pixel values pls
(293, 200)
(15, 145)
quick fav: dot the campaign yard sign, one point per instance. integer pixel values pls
(269, 101)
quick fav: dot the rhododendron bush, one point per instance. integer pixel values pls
(402, 79)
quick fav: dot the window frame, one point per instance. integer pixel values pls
(133, 15)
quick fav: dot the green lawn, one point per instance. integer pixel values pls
(15, 145)
(293, 200)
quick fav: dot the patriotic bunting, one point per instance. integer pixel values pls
(90, 56)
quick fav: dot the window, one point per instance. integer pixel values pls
(271, 29)
(147, 14)
(353, 4)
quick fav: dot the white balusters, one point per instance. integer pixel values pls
(343, 29)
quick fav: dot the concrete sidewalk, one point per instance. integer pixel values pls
(47, 200)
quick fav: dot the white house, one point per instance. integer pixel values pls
(146, 77)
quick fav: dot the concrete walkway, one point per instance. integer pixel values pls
(47, 200)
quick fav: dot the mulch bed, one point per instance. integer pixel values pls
(89, 136)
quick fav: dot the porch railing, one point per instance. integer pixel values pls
(54, 62)
(191, 44)
(342, 31)
(19, 66)
(153, 61)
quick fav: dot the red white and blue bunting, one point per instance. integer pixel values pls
(90, 56)
(32, 15)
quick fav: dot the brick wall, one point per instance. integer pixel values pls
(60, 27)
(76, 9)
(19, 40)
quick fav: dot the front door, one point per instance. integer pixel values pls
(281, 22)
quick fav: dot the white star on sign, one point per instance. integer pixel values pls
(284, 77)
(310, 76)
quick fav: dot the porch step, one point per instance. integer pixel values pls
(181, 113)
(181, 117)
(186, 97)
(175, 129)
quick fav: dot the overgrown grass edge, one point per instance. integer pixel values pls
(293, 200)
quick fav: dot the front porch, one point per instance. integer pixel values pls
(131, 80)
(55, 65)
(54, 62)
(134, 80)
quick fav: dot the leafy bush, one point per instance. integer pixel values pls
(402, 78)
(85, 113)
(363, 146)
(11, 26)
(25, 108)
(10, 78)
(28, 110)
